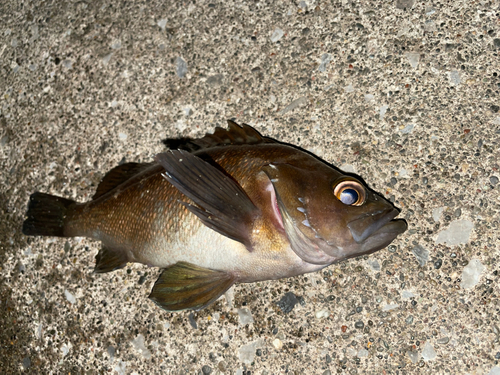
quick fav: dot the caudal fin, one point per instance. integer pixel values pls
(46, 215)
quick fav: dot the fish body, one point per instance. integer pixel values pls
(233, 206)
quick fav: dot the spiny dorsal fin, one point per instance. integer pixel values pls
(118, 176)
(235, 135)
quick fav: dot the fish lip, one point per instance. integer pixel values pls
(376, 221)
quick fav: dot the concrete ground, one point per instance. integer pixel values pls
(404, 93)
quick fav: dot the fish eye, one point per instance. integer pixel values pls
(350, 192)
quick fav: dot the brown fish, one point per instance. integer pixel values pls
(233, 206)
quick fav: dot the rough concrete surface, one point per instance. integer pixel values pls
(404, 93)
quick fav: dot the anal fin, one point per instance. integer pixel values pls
(186, 286)
(108, 259)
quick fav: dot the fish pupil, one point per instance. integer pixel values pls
(349, 196)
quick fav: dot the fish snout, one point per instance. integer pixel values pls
(365, 225)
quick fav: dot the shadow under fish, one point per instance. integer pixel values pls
(233, 206)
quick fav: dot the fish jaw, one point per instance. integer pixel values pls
(364, 226)
(378, 239)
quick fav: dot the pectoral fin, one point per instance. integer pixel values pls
(186, 286)
(222, 203)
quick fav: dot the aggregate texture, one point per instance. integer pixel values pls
(404, 93)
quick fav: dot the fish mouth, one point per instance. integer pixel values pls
(380, 222)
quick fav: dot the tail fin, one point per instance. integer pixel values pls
(46, 214)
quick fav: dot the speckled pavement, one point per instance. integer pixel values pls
(403, 93)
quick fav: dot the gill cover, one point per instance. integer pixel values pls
(329, 216)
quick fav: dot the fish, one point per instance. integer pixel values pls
(230, 207)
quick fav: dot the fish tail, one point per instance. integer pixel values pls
(46, 215)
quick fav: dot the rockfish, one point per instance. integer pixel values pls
(231, 207)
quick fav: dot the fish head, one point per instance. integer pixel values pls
(329, 216)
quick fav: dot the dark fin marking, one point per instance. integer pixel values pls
(223, 204)
(46, 215)
(186, 286)
(108, 259)
(118, 176)
(235, 135)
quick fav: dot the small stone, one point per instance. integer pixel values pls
(122, 136)
(428, 353)
(288, 302)
(215, 80)
(206, 370)
(430, 26)
(457, 233)
(413, 356)
(67, 63)
(181, 67)
(421, 254)
(277, 35)
(69, 297)
(138, 344)
(111, 351)
(408, 129)
(325, 59)
(105, 59)
(404, 4)
(438, 263)
(406, 294)
(363, 353)
(162, 23)
(117, 44)
(496, 42)
(65, 348)
(494, 180)
(374, 264)
(277, 344)
(26, 363)
(436, 214)
(413, 59)
(293, 105)
(142, 279)
(382, 111)
(245, 316)
(409, 320)
(324, 313)
(495, 370)
(471, 274)
(349, 168)
(443, 340)
(349, 88)
(390, 306)
(454, 78)
(359, 324)
(121, 367)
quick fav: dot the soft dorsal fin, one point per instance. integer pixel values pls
(118, 176)
(234, 135)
